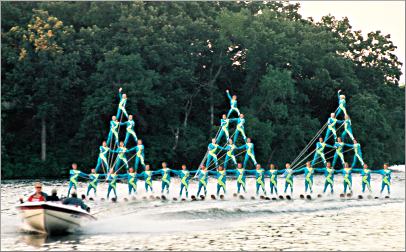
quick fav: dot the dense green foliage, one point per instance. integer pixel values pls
(63, 62)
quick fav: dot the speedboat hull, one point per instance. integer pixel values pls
(53, 218)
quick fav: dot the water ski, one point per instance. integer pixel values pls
(213, 197)
(273, 198)
(222, 197)
(376, 197)
(174, 199)
(144, 198)
(241, 197)
(262, 197)
(202, 197)
(183, 199)
(157, 197)
(252, 197)
(91, 199)
(349, 195)
(341, 195)
(102, 199)
(360, 197)
(319, 196)
(301, 196)
(387, 197)
(288, 197)
(193, 198)
(114, 200)
(163, 197)
(151, 197)
(309, 197)
(280, 196)
(83, 197)
(234, 195)
(125, 199)
(267, 198)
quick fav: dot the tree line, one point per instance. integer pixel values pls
(63, 62)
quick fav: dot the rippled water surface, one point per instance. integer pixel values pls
(327, 223)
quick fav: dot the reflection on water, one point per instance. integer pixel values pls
(328, 223)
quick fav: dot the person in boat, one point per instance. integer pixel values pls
(329, 175)
(122, 150)
(139, 155)
(166, 177)
(202, 174)
(184, 176)
(74, 176)
(240, 174)
(386, 177)
(94, 181)
(121, 104)
(366, 177)
(53, 196)
(273, 175)
(224, 123)
(75, 201)
(347, 129)
(347, 173)
(212, 153)
(288, 173)
(341, 103)
(39, 195)
(230, 153)
(147, 176)
(129, 130)
(331, 127)
(357, 153)
(112, 178)
(102, 159)
(132, 178)
(319, 153)
(113, 130)
(339, 146)
(259, 173)
(308, 173)
(240, 128)
(249, 152)
(221, 177)
(233, 104)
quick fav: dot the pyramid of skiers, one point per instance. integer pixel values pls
(112, 158)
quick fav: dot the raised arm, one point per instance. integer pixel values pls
(338, 95)
(123, 123)
(228, 95)
(330, 146)
(349, 145)
(119, 93)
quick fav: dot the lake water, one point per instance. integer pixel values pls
(327, 223)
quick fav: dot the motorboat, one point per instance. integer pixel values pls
(53, 217)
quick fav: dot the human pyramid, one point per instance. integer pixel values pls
(220, 170)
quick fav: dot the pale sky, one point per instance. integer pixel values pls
(367, 16)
